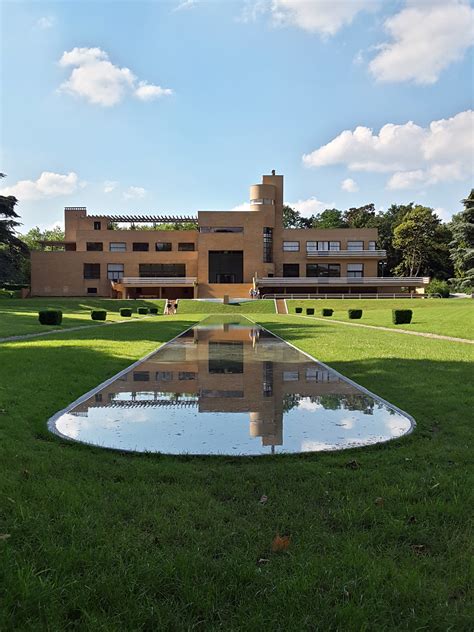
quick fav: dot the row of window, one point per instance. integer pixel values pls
(312, 374)
(139, 246)
(325, 246)
(268, 201)
(115, 271)
(354, 270)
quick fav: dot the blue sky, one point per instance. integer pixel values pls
(180, 106)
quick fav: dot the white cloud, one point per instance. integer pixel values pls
(325, 17)
(110, 185)
(186, 4)
(134, 192)
(426, 38)
(45, 22)
(48, 185)
(96, 79)
(414, 155)
(309, 207)
(349, 185)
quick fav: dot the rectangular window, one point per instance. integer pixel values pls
(184, 376)
(291, 269)
(141, 376)
(291, 376)
(226, 266)
(268, 201)
(268, 245)
(226, 357)
(94, 246)
(140, 246)
(117, 246)
(323, 270)
(162, 270)
(323, 245)
(355, 245)
(186, 246)
(163, 246)
(315, 246)
(372, 245)
(334, 245)
(291, 246)
(164, 376)
(92, 270)
(355, 270)
(91, 290)
(97, 225)
(221, 229)
(114, 271)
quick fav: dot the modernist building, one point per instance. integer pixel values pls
(227, 253)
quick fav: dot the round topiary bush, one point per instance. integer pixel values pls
(298, 310)
(125, 311)
(327, 312)
(401, 316)
(50, 316)
(154, 310)
(354, 314)
(142, 310)
(99, 314)
(310, 311)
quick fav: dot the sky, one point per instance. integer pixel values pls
(180, 106)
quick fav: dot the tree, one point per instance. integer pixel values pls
(417, 237)
(330, 218)
(12, 249)
(293, 218)
(360, 217)
(462, 244)
(35, 235)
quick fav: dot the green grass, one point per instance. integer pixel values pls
(106, 541)
(449, 317)
(20, 316)
(263, 306)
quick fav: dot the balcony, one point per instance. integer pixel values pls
(156, 281)
(343, 254)
(336, 281)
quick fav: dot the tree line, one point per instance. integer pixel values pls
(417, 242)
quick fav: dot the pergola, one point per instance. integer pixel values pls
(147, 219)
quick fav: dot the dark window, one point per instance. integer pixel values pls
(186, 246)
(221, 229)
(92, 270)
(268, 245)
(226, 357)
(97, 225)
(141, 376)
(291, 269)
(323, 270)
(162, 270)
(140, 246)
(186, 375)
(96, 246)
(98, 397)
(91, 290)
(164, 376)
(114, 271)
(226, 266)
(163, 246)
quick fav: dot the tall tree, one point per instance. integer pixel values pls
(293, 218)
(360, 217)
(462, 244)
(12, 249)
(35, 236)
(330, 218)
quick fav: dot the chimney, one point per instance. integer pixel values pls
(273, 172)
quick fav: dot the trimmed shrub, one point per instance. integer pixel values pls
(327, 312)
(142, 310)
(6, 293)
(154, 310)
(298, 310)
(50, 316)
(125, 311)
(401, 316)
(99, 314)
(354, 314)
(310, 311)
(436, 286)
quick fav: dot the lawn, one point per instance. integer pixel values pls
(102, 540)
(264, 306)
(20, 316)
(450, 317)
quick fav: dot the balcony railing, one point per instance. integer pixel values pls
(379, 254)
(139, 281)
(308, 281)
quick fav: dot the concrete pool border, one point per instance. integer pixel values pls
(51, 423)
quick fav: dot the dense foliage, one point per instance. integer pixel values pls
(462, 244)
(12, 248)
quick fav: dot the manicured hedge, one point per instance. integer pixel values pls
(401, 316)
(142, 310)
(50, 316)
(99, 314)
(327, 312)
(354, 314)
(125, 311)
(298, 310)
(310, 311)
(154, 310)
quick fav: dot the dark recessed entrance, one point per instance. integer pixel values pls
(226, 266)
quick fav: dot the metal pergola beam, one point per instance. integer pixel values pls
(142, 219)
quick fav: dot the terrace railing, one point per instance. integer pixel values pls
(144, 281)
(344, 254)
(321, 281)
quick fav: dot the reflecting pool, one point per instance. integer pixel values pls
(227, 386)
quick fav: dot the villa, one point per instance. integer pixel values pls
(228, 253)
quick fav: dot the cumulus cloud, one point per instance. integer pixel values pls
(134, 192)
(310, 206)
(426, 37)
(414, 155)
(110, 185)
(45, 22)
(96, 79)
(349, 185)
(48, 185)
